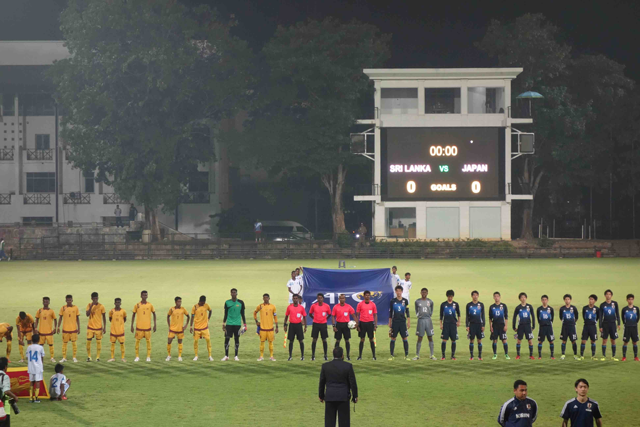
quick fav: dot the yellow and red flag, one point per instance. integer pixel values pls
(20, 383)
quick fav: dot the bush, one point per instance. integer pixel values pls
(345, 240)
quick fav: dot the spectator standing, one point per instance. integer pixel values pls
(118, 213)
(5, 391)
(257, 229)
(3, 255)
(133, 213)
(362, 231)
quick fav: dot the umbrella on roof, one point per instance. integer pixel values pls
(529, 95)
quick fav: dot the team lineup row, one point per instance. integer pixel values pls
(606, 318)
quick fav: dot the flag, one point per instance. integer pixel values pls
(20, 383)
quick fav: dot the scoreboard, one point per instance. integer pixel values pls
(443, 164)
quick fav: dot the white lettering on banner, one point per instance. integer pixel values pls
(444, 187)
(475, 168)
(409, 168)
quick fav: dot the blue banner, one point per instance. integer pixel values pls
(352, 283)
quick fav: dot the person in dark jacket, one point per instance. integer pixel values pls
(339, 380)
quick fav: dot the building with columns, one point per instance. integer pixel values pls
(443, 142)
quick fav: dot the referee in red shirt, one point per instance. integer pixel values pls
(320, 313)
(297, 316)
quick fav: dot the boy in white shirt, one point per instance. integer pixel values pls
(395, 278)
(406, 286)
(35, 355)
(59, 384)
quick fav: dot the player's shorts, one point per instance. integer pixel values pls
(425, 326)
(69, 336)
(498, 332)
(568, 332)
(27, 335)
(630, 334)
(35, 377)
(546, 332)
(609, 330)
(524, 331)
(93, 333)
(119, 338)
(366, 329)
(46, 339)
(6, 335)
(140, 334)
(590, 332)
(321, 329)
(399, 328)
(203, 334)
(295, 331)
(267, 335)
(449, 332)
(342, 330)
(232, 331)
(475, 331)
(180, 335)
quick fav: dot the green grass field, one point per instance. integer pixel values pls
(424, 392)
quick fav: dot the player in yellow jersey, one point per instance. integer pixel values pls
(117, 317)
(46, 324)
(70, 321)
(5, 332)
(24, 325)
(268, 318)
(200, 325)
(143, 311)
(175, 320)
(97, 325)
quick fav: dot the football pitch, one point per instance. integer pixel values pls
(281, 393)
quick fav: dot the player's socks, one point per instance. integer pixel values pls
(98, 349)
(392, 347)
(518, 349)
(494, 347)
(530, 351)
(113, 350)
(582, 347)
(471, 350)
(313, 349)
(613, 350)
(37, 391)
(418, 345)
(89, 349)
(324, 347)
(148, 348)
(453, 349)
(431, 347)
(635, 350)
(406, 347)
(540, 350)
(291, 348)
(604, 351)
(51, 351)
(552, 348)
(271, 348)
(480, 350)
(361, 348)
(9, 343)
(444, 348)
(64, 350)
(624, 351)
(122, 350)
(137, 348)
(574, 346)
(237, 346)
(74, 347)
(30, 392)
(348, 347)
(180, 350)
(564, 348)
(208, 340)
(373, 349)
(195, 347)
(169, 350)
(21, 349)
(301, 349)
(593, 349)
(506, 348)
(261, 349)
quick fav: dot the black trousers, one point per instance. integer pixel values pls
(7, 421)
(341, 408)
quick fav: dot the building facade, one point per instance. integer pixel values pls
(442, 150)
(33, 157)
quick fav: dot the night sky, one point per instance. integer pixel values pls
(425, 34)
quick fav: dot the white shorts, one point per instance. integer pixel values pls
(35, 377)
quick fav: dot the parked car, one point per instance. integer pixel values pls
(279, 231)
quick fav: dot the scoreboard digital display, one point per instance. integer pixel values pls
(443, 164)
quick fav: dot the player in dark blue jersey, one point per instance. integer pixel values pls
(581, 410)
(545, 315)
(609, 316)
(569, 316)
(520, 410)
(590, 314)
(523, 314)
(630, 319)
(475, 320)
(449, 322)
(498, 317)
(399, 322)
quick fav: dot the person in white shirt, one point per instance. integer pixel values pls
(395, 278)
(406, 285)
(35, 356)
(294, 286)
(59, 384)
(299, 279)
(9, 398)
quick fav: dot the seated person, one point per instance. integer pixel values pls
(59, 384)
